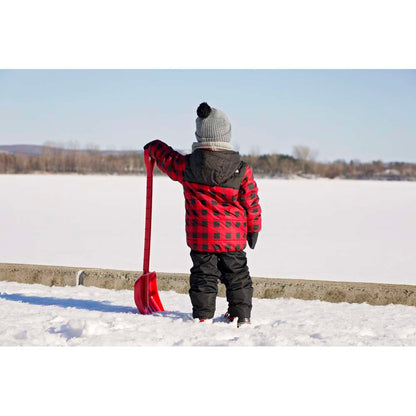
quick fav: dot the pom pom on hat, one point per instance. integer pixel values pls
(204, 110)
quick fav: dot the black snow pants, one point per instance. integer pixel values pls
(231, 269)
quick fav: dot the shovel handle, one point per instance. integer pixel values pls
(150, 164)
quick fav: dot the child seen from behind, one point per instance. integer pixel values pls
(222, 214)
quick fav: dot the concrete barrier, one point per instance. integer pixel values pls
(329, 291)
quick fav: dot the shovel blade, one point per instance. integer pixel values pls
(146, 295)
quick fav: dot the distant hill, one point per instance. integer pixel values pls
(36, 150)
(27, 149)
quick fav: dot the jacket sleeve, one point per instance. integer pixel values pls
(249, 199)
(168, 160)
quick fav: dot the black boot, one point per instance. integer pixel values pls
(243, 321)
(228, 317)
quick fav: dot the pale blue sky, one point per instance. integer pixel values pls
(343, 114)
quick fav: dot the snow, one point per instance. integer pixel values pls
(37, 315)
(313, 229)
(338, 230)
(320, 229)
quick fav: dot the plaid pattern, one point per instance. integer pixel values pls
(168, 161)
(217, 218)
(249, 199)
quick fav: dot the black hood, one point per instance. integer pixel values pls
(213, 167)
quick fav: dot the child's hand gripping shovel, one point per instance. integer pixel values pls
(146, 295)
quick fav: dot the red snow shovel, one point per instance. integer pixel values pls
(146, 295)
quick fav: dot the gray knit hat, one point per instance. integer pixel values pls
(213, 129)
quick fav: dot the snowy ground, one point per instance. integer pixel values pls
(313, 229)
(37, 315)
(320, 229)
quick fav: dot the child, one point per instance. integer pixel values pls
(222, 213)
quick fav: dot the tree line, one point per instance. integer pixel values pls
(302, 163)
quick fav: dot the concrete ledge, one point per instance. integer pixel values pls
(371, 293)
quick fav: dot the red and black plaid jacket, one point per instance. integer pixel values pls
(221, 200)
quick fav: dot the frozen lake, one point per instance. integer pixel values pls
(312, 229)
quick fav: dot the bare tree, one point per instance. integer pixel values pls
(304, 153)
(306, 157)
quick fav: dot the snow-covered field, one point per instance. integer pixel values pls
(313, 229)
(38, 315)
(337, 230)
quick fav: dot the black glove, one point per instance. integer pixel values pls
(252, 239)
